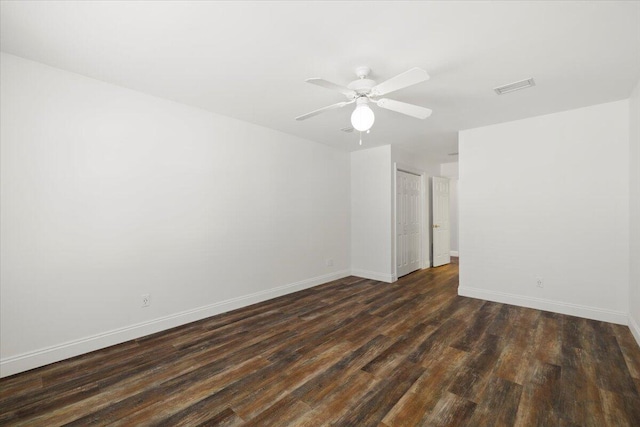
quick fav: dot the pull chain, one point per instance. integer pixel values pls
(368, 131)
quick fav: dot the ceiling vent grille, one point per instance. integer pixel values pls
(523, 84)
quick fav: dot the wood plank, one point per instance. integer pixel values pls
(490, 314)
(451, 410)
(540, 399)
(499, 405)
(318, 388)
(388, 360)
(580, 401)
(305, 369)
(414, 407)
(547, 345)
(374, 405)
(471, 380)
(516, 360)
(629, 348)
(620, 410)
(282, 412)
(338, 402)
(226, 417)
(190, 396)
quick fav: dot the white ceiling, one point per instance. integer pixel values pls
(249, 60)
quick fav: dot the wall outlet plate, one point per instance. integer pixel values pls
(146, 300)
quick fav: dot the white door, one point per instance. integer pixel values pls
(408, 216)
(441, 231)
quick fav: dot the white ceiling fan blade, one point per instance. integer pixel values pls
(329, 85)
(322, 110)
(408, 78)
(404, 108)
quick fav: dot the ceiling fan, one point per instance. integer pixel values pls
(364, 91)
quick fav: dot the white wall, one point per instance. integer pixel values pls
(535, 202)
(371, 246)
(373, 208)
(454, 214)
(634, 212)
(450, 170)
(108, 194)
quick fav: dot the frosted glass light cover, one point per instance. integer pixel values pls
(362, 118)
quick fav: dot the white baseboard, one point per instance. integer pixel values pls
(634, 326)
(594, 313)
(453, 253)
(24, 362)
(374, 275)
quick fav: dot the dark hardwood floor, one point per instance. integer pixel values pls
(352, 352)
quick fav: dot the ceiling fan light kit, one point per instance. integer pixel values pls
(365, 91)
(362, 117)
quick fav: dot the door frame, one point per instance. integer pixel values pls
(425, 241)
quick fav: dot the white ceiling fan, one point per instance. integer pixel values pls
(364, 91)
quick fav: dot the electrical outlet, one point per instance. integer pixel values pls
(329, 262)
(539, 282)
(146, 300)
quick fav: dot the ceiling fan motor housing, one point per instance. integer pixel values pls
(362, 86)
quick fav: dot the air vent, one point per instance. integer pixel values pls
(347, 129)
(453, 154)
(523, 84)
